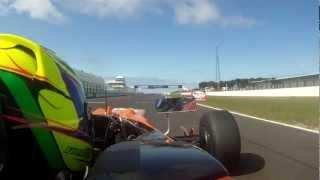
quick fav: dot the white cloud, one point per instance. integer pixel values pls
(4, 6)
(196, 11)
(186, 11)
(206, 11)
(37, 9)
(103, 8)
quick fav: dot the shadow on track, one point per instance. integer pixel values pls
(249, 163)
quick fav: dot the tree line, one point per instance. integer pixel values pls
(234, 83)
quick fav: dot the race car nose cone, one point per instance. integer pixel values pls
(138, 160)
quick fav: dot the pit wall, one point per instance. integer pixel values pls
(312, 91)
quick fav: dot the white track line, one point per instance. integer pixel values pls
(265, 120)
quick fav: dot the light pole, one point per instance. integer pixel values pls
(217, 67)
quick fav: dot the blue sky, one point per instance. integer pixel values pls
(173, 39)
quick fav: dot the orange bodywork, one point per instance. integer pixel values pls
(133, 115)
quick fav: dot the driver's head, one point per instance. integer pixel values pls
(39, 91)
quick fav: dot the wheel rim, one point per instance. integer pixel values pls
(204, 139)
(64, 175)
(1, 166)
(206, 136)
(3, 152)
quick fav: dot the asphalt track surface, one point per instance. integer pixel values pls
(269, 151)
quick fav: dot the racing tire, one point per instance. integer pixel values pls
(220, 137)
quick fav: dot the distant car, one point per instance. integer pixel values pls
(176, 104)
(199, 95)
(47, 131)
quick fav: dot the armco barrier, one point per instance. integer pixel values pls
(311, 91)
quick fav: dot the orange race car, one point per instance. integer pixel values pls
(138, 149)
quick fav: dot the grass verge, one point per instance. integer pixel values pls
(300, 111)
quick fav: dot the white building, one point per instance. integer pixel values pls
(118, 83)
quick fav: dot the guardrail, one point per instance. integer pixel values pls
(109, 94)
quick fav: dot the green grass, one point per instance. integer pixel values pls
(301, 111)
(175, 94)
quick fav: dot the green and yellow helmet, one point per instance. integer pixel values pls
(42, 107)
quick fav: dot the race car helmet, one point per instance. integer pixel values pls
(42, 105)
